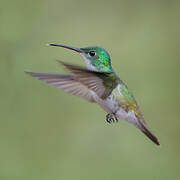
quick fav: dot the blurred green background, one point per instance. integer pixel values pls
(47, 134)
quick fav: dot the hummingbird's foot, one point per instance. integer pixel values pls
(111, 118)
(115, 117)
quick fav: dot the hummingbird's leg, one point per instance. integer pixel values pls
(115, 117)
(110, 118)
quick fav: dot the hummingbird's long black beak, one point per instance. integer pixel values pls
(67, 47)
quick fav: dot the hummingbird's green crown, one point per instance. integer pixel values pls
(97, 58)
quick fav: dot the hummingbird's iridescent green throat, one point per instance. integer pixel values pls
(96, 58)
(98, 83)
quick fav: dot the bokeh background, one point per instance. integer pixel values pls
(47, 134)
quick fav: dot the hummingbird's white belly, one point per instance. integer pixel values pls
(111, 105)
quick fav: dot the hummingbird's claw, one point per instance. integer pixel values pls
(111, 118)
(116, 118)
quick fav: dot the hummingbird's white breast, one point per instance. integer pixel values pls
(112, 104)
(88, 63)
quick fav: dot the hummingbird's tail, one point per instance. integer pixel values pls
(148, 133)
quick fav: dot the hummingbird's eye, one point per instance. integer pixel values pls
(92, 53)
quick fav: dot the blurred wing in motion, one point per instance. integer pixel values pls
(80, 83)
(67, 83)
(102, 83)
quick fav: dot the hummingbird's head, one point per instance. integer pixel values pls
(96, 58)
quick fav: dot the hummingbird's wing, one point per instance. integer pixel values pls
(65, 82)
(81, 82)
(102, 83)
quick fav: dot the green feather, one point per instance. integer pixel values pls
(127, 95)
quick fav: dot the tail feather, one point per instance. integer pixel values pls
(149, 134)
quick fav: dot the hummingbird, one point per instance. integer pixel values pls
(98, 83)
